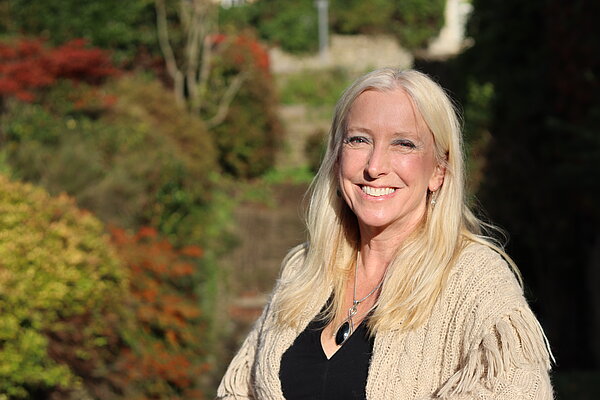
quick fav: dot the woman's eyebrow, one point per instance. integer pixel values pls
(406, 134)
(395, 135)
(360, 129)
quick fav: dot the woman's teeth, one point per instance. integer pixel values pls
(371, 191)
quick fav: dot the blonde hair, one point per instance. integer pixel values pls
(420, 268)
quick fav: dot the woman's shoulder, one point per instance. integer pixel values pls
(481, 273)
(478, 260)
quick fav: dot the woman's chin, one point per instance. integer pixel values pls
(375, 224)
(379, 224)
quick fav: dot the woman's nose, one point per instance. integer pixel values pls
(379, 162)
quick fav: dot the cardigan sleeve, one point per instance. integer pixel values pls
(237, 383)
(505, 354)
(509, 362)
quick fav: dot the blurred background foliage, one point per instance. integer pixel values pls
(251, 133)
(412, 22)
(293, 25)
(62, 288)
(164, 350)
(541, 174)
(530, 88)
(85, 319)
(124, 27)
(316, 90)
(113, 266)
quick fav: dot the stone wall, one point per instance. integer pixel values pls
(361, 52)
(352, 52)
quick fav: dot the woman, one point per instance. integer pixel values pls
(396, 294)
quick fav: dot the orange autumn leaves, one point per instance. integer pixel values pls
(165, 355)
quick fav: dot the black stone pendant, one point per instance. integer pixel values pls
(342, 333)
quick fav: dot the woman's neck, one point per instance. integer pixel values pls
(377, 249)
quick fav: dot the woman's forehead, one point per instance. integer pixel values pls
(393, 110)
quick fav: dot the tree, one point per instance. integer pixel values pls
(189, 55)
(215, 73)
(541, 59)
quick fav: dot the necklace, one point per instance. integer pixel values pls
(343, 332)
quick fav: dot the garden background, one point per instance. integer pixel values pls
(154, 155)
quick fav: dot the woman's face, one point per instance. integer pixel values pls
(387, 162)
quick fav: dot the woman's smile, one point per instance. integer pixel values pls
(380, 192)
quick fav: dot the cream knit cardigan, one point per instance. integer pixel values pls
(481, 342)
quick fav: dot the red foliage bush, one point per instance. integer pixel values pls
(165, 359)
(27, 65)
(249, 137)
(247, 50)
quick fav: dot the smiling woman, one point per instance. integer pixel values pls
(387, 163)
(397, 293)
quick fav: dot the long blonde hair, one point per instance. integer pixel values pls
(418, 272)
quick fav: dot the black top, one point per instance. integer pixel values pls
(306, 373)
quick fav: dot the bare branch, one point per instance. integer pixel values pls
(205, 58)
(226, 100)
(205, 65)
(194, 40)
(165, 46)
(184, 14)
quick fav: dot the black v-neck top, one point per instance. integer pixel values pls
(307, 373)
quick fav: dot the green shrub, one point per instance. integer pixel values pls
(415, 22)
(477, 115)
(121, 26)
(56, 267)
(248, 138)
(314, 149)
(356, 16)
(292, 25)
(139, 161)
(314, 88)
(412, 22)
(542, 162)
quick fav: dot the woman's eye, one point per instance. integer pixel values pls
(405, 144)
(356, 140)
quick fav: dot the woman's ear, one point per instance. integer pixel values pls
(437, 178)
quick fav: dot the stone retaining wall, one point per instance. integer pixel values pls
(352, 52)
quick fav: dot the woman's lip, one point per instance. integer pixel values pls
(377, 187)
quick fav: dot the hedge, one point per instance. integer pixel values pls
(56, 267)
